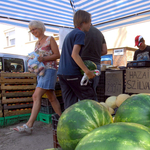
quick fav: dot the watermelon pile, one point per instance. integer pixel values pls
(80, 119)
(88, 125)
(135, 109)
(117, 136)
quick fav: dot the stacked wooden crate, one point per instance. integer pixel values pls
(1, 108)
(16, 92)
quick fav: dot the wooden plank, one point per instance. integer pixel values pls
(16, 94)
(17, 106)
(17, 100)
(1, 114)
(18, 87)
(7, 113)
(9, 74)
(4, 80)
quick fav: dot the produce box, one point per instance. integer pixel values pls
(1, 111)
(1, 107)
(47, 109)
(46, 118)
(46, 102)
(10, 120)
(1, 121)
(57, 90)
(55, 119)
(17, 90)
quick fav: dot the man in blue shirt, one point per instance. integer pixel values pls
(71, 63)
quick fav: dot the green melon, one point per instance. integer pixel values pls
(90, 65)
(117, 136)
(135, 109)
(80, 119)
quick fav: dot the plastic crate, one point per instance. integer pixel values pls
(47, 110)
(45, 102)
(1, 121)
(57, 92)
(46, 118)
(55, 119)
(24, 117)
(10, 120)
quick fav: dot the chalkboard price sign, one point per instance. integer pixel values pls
(113, 82)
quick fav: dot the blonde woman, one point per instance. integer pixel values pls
(48, 50)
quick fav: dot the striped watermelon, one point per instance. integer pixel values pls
(135, 109)
(90, 65)
(117, 136)
(78, 120)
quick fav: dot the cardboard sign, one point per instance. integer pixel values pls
(138, 80)
(113, 82)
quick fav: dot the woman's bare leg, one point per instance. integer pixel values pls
(36, 105)
(54, 102)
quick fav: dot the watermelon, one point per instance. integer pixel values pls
(117, 136)
(80, 119)
(90, 65)
(53, 149)
(135, 109)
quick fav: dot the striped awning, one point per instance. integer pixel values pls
(106, 14)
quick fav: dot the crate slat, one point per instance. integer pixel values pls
(17, 100)
(4, 80)
(9, 74)
(7, 113)
(18, 87)
(17, 106)
(11, 94)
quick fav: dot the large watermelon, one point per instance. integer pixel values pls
(90, 65)
(80, 119)
(135, 109)
(117, 136)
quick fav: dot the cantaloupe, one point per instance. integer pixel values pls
(121, 98)
(111, 101)
(111, 110)
(105, 105)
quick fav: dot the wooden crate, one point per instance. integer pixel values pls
(12, 113)
(16, 92)
(1, 108)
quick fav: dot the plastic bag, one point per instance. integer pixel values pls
(34, 65)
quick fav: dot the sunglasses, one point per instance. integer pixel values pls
(32, 30)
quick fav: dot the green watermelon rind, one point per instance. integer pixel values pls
(135, 109)
(78, 120)
(117, 136)
(90, 65)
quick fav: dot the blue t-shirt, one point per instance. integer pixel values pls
(67, 66)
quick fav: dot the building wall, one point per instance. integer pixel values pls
(22, 44)
(124, 36)
(115, 38)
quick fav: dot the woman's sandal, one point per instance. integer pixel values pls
(24, 128)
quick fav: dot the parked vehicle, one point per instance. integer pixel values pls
(13, 63)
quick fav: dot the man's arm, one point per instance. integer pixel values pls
(104, 49)
(76, 57)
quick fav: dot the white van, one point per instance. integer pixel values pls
(13, 63)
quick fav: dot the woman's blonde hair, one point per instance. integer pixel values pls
(37, 24)
(81, 16)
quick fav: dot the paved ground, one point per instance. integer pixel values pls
(40, 139)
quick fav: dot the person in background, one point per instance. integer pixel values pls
(143, 53)
(71, 63)
(48, 50)
(95, 47)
